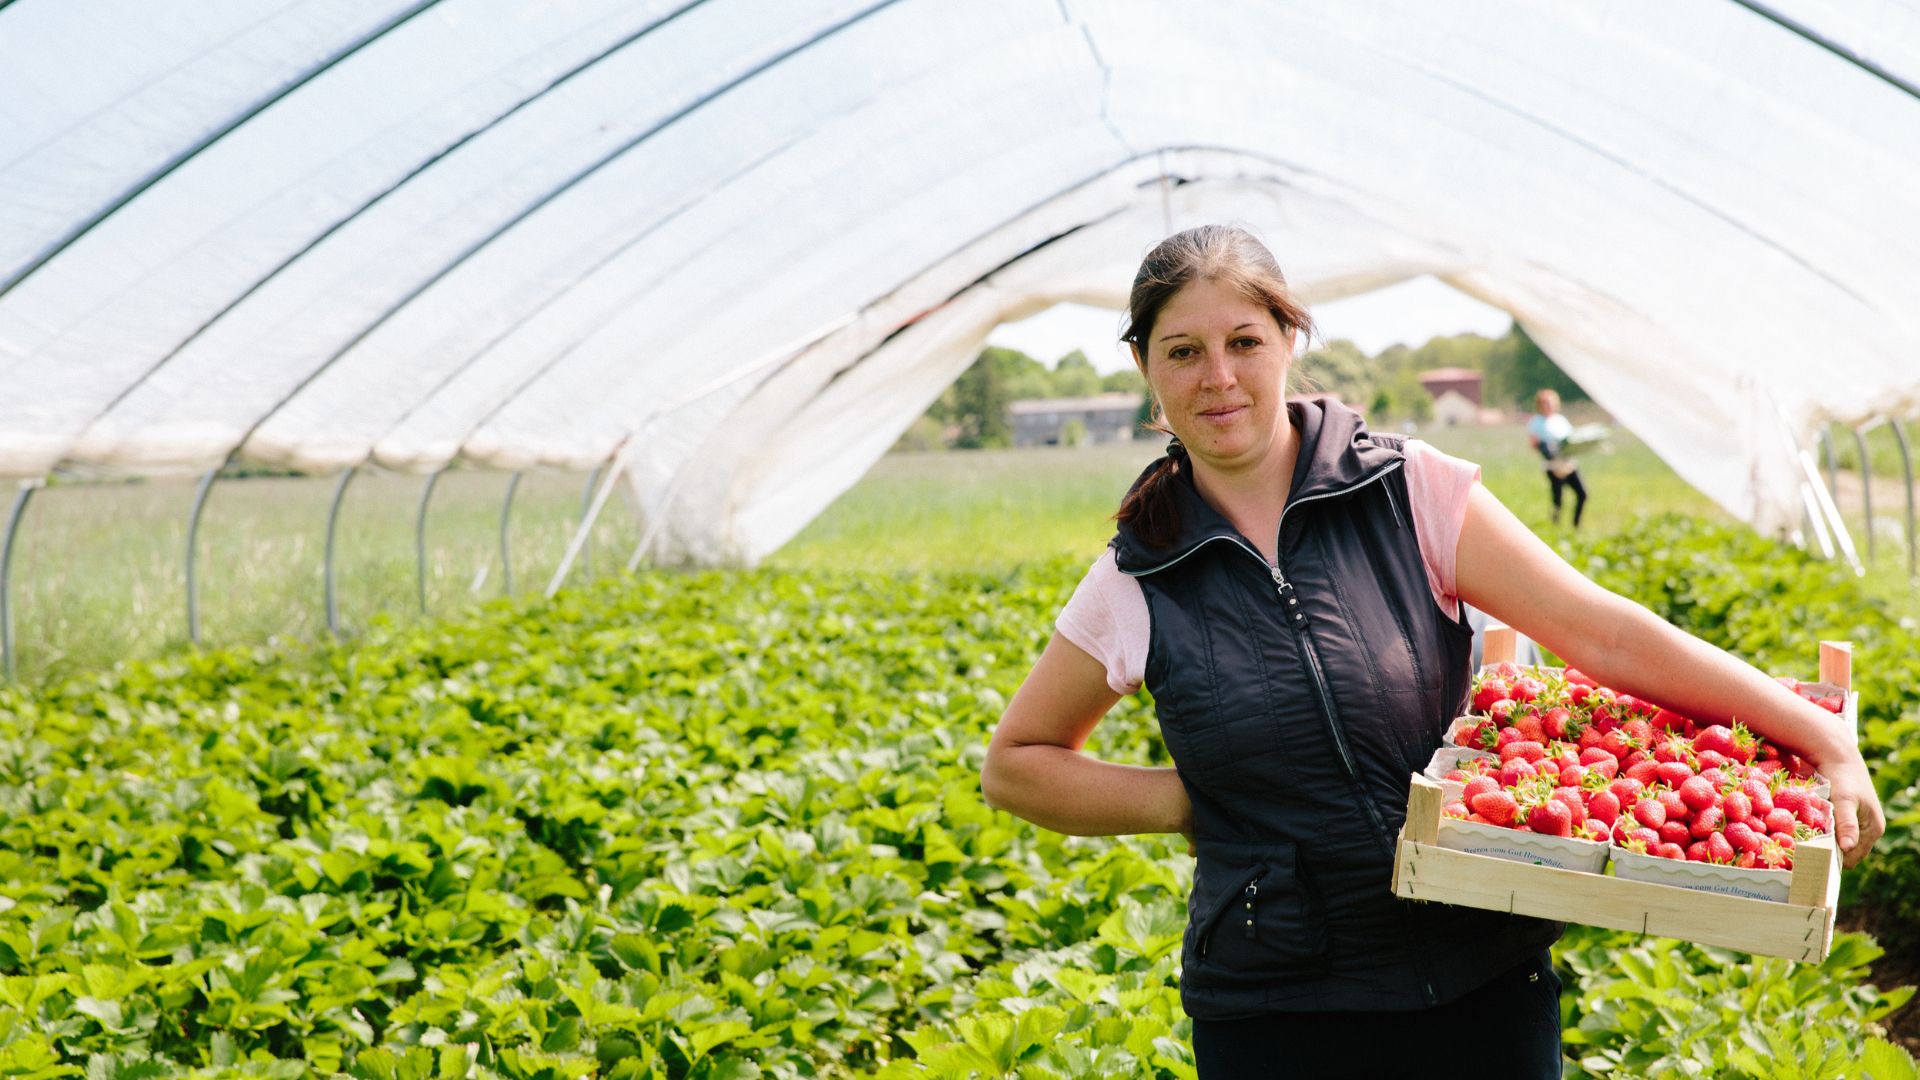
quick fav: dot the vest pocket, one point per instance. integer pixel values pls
(1253, 915)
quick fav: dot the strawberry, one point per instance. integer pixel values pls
(1832, 704)
(1456, 810)
(1590, 739)
(1675, 832)
(1737, 806)
(1758, 794)
(1498, 807)
(1792, 798)
(1507, 737)
(1670, 720)
(1775, 856)
(1646, 771)
(1671, 851)
(1719, 848)
(1607, 769)
(1573, 775)
(1635, 758)
(1576, 805)
(1551, 818)
(1479, 785)
(1742, 837)
(1580, 678)
(1698, 793)
(1526, 688)
(1697, 851)
(1592, 754)
(1489, 691)
(1815, 818)
(1645, 836)
(1500, 711)
(1648, 811)
(1747, 860)
(1530, 727)
(1627, 789)
(1595, 829)
(1715, 739)
(1603, 806)
(1640, 731)
(1578, 694)
(1478, 820)
(1555, 720)
(1708, 819)
(1711, 759)
(1515, 772)
(1618, 743)
(1676, 807)
(1506, 669)
(1779, 820)
(1524, 748)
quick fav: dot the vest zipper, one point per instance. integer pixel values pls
(1245, 897)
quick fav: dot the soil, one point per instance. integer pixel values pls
(1899, 967)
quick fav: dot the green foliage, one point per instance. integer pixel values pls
(1666, 1008)
(1517, 368)
(714, 825)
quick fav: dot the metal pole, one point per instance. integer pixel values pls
(586, 503)
(1866, 487)
(193, 552)
(333, 519)
(420, 535)
(579, 540)
(506, 553)
(1906, 469)
(1833, 469)
(27, 489)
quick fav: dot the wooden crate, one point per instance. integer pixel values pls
(1800, 929)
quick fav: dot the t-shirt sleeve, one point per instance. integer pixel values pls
(1438, 485)
(1107, 618)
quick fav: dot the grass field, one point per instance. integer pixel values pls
(98, 575)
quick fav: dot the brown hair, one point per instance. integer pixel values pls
(1221, 253)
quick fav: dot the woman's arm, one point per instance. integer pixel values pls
(1506, 571)
(1035, 769)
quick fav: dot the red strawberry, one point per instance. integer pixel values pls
(1779, 819)
(1785, 840)
(1791, 798)
(1479, 785)
(1551, 818)
(1635, 758)
(1742, 837)
(1832, 704)
(1456, 810)
(1675, 832)
(1698, 793)
(1645, 770)
(1816, 818)
(1501, 711)
(1708, 819)
(1578, 694)
(1715, 739)
(1580, 678)
(1640, 731)
(1516, 772)
(1603, 806)
(1737, 806)
(1575, 802)
(1489, 691)
(1530, 727)
(1618, 743)
(1507, 737)
(1591, 754)
(1554, 722)
(1697, 851)
(1506, 669)
(1645, 836)
(1711, 759)
(1676, 807)
(1607, 769)
(1526, 688)
(1496, 806)
(1670, 720)
(1775, 856)
(1747, 860)
(1573, 775)
(1525, 748)
(1595, 829)
(1719, 848)
(1628, 789)
(1758, 794)
(1672, 851)
(1648, 811)
(1590, 739)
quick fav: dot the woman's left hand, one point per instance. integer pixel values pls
(1858, 820)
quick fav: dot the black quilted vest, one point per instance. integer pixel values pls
(1295, 700)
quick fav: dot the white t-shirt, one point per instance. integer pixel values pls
(1107, 614)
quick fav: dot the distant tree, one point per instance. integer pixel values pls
(1124, 381)
(1340, 369)
(1074, 376)
(981, 394)
(1517, 368)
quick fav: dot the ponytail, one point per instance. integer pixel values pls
(1151, 509)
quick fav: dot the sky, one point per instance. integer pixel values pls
(1408, 313)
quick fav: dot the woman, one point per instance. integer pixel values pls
(1288, 588)
(1548, 430)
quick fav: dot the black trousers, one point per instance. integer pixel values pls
(1509, 1028)
(1571, 480)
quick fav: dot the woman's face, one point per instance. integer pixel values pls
(1217, 362)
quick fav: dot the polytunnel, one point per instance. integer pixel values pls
(734, 247)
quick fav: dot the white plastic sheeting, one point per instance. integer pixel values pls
(746, 242)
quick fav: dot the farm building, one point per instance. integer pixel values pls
(1456, 394)
(1103, 418)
